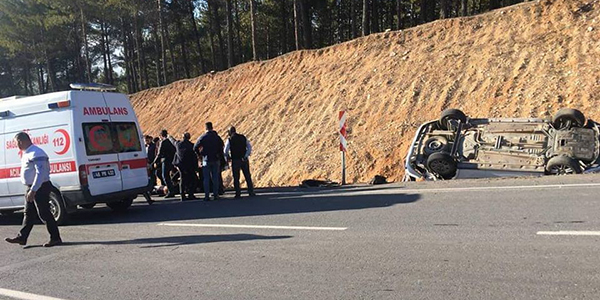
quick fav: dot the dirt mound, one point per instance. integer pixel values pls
(527, 60)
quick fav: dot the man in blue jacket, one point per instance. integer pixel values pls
(210, 147)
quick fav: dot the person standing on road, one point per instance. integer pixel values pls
(35, 174)
(237, 150)
(157, 168)
(166, 154)
(210, 148)
(186, 162)
(151, 152)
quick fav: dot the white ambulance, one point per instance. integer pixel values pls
(94, 142)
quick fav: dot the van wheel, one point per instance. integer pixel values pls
(57, 207)
(442, 164)
(563, 165)
(451, 114)
(568, 118)
(435, 144)
(120, 206)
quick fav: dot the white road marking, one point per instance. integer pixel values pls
(24, 296)
(400, 190)
(253, 226)
(573, 233)
(513, 187)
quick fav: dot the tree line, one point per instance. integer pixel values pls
(136, 44)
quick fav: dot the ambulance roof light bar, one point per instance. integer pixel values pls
(97, 87)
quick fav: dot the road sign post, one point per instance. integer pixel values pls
(343, 142)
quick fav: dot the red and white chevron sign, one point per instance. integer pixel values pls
(342, 130)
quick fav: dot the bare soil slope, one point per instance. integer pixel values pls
(527, 60)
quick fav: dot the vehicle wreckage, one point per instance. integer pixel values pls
(455, 146)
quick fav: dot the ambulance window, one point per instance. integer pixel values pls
(127, 137)
(98, 138)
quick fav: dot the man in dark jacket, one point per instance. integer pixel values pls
(151, 151)
(156, 168)
(238, 150)
(166, 154)
(186, 162)
(210, 148)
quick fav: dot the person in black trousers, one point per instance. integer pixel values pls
(157, 168)
(166, 154)
(35, 174)
(151, 155)
(210, 147)
(238, 149)
(151, 151)
(186, 162)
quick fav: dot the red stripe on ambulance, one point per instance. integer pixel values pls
(141, 163)
(55, 168)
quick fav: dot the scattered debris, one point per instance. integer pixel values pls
(378, 179)
(317, 183)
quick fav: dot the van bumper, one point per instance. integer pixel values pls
(82, 195)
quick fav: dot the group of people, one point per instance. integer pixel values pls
(205, 159)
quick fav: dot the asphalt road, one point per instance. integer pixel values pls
(479, 239)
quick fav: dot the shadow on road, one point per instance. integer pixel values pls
(171, 241)
(270, 204)
(185, 240)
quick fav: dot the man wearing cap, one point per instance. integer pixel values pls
(35, 174)
(238, 150)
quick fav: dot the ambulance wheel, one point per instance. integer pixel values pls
(57, 207)
(120, 206)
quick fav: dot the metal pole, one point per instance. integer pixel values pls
(343, 167)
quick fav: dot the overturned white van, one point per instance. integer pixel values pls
(94, 142)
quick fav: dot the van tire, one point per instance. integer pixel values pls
(563, 165)
(451, 114)
(120, 206)
(435, 144)
(442, 164)
(58, 208)
(568, 118)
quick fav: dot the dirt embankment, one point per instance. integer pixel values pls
(527, 60)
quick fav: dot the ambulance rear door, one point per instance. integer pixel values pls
(132, 153)
(98, 148)
(5, 199)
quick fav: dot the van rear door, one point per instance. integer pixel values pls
(131, 154)
(100, 143)
(5, 200)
